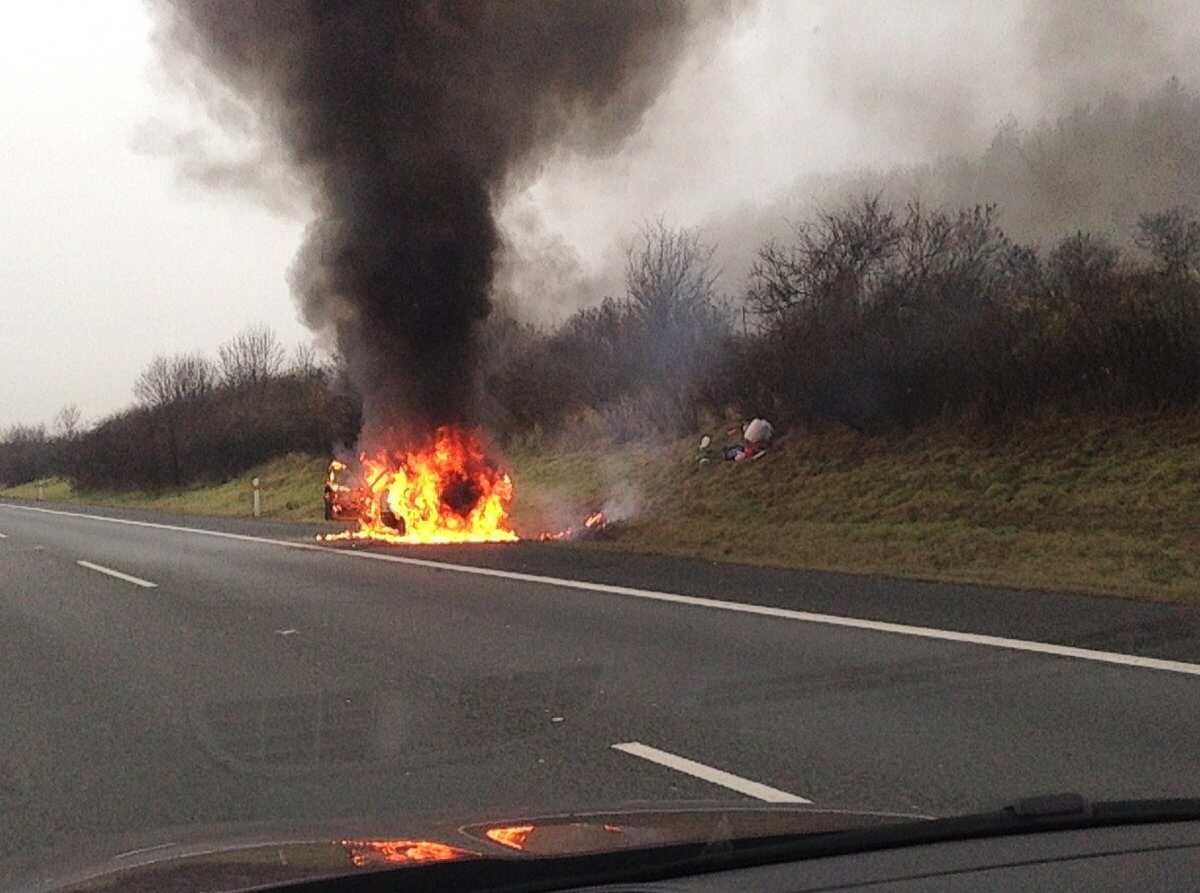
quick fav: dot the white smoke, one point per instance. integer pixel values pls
(623, 503)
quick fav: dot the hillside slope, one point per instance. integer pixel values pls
(1107, 506)
(1091, 505)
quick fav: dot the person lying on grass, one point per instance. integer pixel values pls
(756, 437)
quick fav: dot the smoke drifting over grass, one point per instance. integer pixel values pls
(409, 122)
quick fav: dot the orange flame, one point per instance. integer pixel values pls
(379, 853)
(446, 492)
(594, 521)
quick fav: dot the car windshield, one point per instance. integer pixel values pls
(469, 428)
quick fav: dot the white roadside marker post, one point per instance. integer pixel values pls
(257, 497)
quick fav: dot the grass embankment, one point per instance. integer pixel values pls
(1097, 505)
(1101, 505)
(291, 492)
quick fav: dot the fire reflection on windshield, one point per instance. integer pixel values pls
(512, 836)
(385, 853)
(557, 836)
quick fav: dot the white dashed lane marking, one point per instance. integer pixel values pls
(707, 773)
(99, 568)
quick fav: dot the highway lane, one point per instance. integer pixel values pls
(256, 682)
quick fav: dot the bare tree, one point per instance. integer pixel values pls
(833, 261)
(177, 379)
(153, 385)
(66, 422)
(1083, 270)
(672, 322)
(1173, 238)
(251, 358)
(669, 272)
(304, 361)
(168, 385)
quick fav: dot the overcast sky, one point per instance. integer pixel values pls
(104, 260)
(107, 257)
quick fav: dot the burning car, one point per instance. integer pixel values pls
(350, 498)
(446, 491)
(346, 495)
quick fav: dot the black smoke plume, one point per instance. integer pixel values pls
(408, 120)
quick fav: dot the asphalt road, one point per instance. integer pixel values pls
(254, 677)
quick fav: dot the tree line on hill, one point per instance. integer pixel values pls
(873, 316)
(196, 420)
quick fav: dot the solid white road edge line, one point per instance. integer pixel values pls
(136, 581)
(708, 773)
(923, 632)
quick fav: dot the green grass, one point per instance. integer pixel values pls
(1100, 505)
(291, 491)
(54, 489)
(1091, 505)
